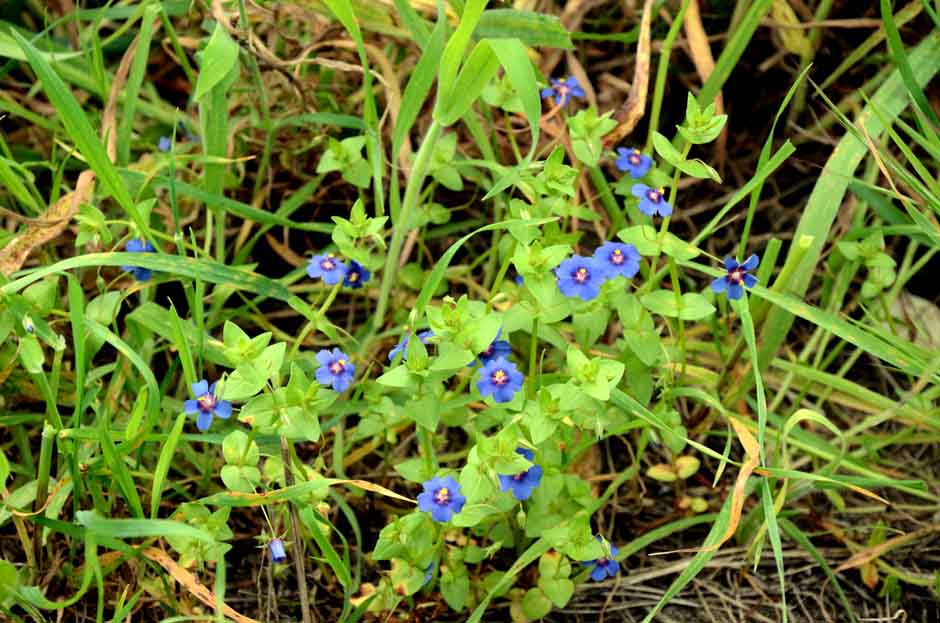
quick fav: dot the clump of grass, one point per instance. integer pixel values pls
(348, 310)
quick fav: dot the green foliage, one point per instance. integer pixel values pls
(554, 396)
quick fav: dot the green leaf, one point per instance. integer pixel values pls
(536, 604)
(559, 590)
(163, 464)
(245, 382)
(665, 149)
(455, 587)
(239, 449)
(531, 28)
(697, 168)
(241, 478)
(477, 71)
(691, 306)
(414, 469)
(216, 61)
(399, 376)
(644, 237)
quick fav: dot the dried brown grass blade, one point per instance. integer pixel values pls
(869, 554)
(13, 256)
(57, 217)
(752, 459)
(634, 107)
(193, 585)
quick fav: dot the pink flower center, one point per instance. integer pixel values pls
(634, 158)
(602, 562)
(442, 496)
(500, 377)
(581, 275)
(327, 264)
(518, 477)
(563, 89)
(338, 366)
(654, 195)
(737, 275)
(207, 402)
(617, 257)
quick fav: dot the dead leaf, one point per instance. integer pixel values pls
(13, 256)
(869, 554)
(193, 585)
(634, 107)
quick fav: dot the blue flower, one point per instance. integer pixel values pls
(335, 369)
(402, 346)
(618, 258)
(499, 348)
(562, 90)
(501, 379)
(633, 161)
(605, 566)
(327, 268)
(738, 277)
(136, 245)
(207, 405)
(652, 200)
(581, 276)
(165, 144)
(356, 275)
(276, 547)
(442, 498)
(524, 483)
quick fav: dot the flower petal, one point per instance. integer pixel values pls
(441, 512)
(735, 291)
(730, 263)
(425, 501)
(719, 285)
(200, 388)
(223, 409)
(204, 420)
(191, 406)
(750, 280)
(598, 573)
(752, 262)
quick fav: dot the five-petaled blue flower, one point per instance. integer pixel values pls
(335, 369)
(276, 547)
(525, 482)
(652, 200)
(618, 258)
(581, 276)
(402, 346)
(501, 379)
(499, 348)
(327, 268)
(165, 144)
(442, 498)
(563, 90)
(207, 405)
(136, 245)
(356, 275)
(633, 161)
(605, 566)
(738, 277)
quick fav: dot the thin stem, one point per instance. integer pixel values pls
(295, 536)
(412, 194)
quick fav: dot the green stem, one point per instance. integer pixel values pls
(427, 449)
(412, 192)
(617, 221)
(533, 356)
